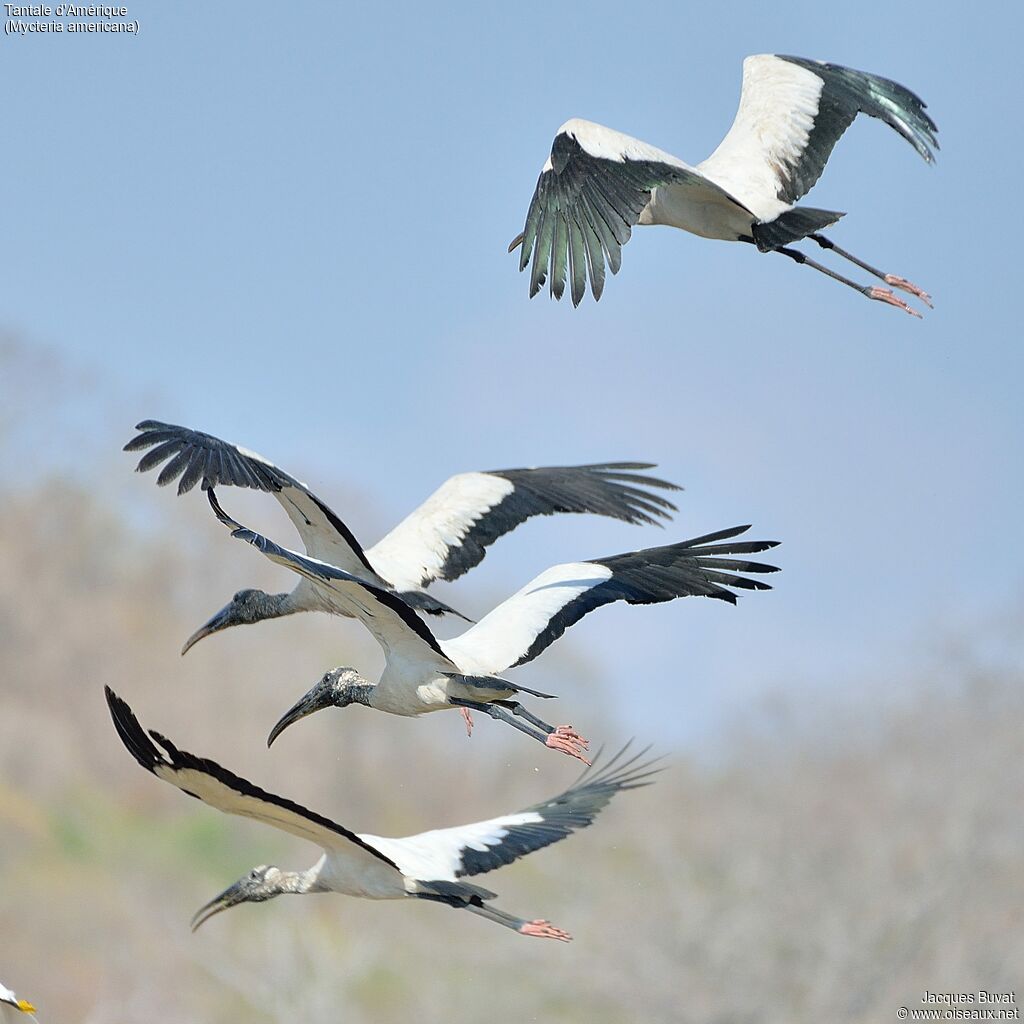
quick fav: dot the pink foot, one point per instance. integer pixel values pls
(885, 295)
(909, 286)
(467, 716)
(566, 739)
(540, 929)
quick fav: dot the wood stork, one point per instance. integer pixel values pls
(428, 866)
(9, 999)
(598, 183)
(446, 536)
(424, 674)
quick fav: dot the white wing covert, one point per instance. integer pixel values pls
(453, 853)
(792, 112)
(450, 532)
(528, 622)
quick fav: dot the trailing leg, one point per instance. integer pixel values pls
(538, 929)
(563, 731)
(564, 738)
(891, 279)
(879, 294)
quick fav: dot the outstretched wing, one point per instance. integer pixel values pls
(524, 625)
(216, 786)
(451, 853)
(449, 533)
(197, 457)
(591, 192)
(792, 112)
(395, 626)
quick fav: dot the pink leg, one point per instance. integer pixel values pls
(891, 279)
(467, 716)
(541, 929)
(566, 739)
(885, 295)
(909, 286)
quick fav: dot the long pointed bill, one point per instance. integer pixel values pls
(230, 897)
(219, 621)
(318, 698)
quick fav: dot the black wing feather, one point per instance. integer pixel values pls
(199, 456)
(846, 93)
(601, 488)
(564, 814)
(582, 212)
(144, 750)
(655, 575)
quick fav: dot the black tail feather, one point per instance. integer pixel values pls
(791, 226)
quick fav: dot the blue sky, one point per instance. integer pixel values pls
(287, 224)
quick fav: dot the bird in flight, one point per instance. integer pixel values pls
(430, 866)
(441, 539)
(423, 674)
(597, 184)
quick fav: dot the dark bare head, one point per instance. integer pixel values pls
(246, 607)
(261, 884)
(335, 689)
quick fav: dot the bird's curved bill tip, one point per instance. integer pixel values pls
(306, 706)
(218, 622)
(25, 1006)
(516, 242)
(208, 910)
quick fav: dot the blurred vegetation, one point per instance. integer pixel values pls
(830, 864)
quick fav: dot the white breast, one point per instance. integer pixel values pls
(351, 877)
(409, 689)
(701, 211)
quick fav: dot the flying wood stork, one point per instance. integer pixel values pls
(598, 183)
(428, 866)
(423, 674)
(9, 999)
(446, 536)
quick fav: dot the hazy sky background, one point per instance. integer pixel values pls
(286, 224)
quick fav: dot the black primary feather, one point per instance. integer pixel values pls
(564, 814)
(845, 93)
(691, 568)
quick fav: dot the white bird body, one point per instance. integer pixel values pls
(419, 668)
(597, 183)
(430, 865)
(444, 537)
(411, 688)
(701, 211)
(418, 678)
(339, 872)
(424, 674)
(696, 204)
